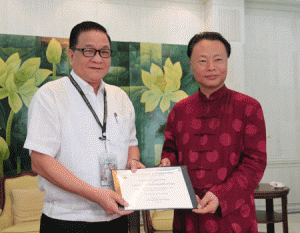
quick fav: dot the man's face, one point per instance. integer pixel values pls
(90, 69)
(209, 65)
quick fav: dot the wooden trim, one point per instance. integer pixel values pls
(147, 221)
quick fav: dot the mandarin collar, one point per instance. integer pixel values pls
(87, 88)
(220, 93)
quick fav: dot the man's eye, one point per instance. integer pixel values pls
(105, 51)
(89, 51)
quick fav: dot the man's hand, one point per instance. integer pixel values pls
(58, 175)
(165, 163)
(134, 165)
(109, 200)
(208, 204)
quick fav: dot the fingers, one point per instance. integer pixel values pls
(122, 202)
(208, 204)
(136, 165)
(125, 212)
(109, 201)
(165, 163)
(198, 200)
(204, 210)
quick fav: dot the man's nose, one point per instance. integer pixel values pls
(210, 65)
(97, 57)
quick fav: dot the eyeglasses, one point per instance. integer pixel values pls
(89, 52)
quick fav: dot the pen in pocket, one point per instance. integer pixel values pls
(116, 116)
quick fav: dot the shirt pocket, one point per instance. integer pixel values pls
(118, 131)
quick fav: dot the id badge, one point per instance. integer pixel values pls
(107, 164)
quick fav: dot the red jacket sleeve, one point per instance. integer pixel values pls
(239, 187)
(169, 149)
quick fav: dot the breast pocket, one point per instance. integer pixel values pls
(117, 130)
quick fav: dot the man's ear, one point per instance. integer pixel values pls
(70, 55)
(191, 65)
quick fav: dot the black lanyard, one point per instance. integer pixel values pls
(103, 127)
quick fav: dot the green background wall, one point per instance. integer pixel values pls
(155, 76)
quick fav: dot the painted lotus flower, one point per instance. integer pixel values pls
(19, 82)
(164, 86)
(53, 53)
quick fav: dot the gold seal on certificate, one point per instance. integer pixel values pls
(155, 188)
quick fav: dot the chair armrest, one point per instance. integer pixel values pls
(5, 221)
(148, 227)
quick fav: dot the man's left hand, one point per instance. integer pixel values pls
(134, 165)
(208, 204)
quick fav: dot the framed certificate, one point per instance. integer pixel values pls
(155, 188)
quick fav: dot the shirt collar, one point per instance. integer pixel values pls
(218, 94)
(87, 88)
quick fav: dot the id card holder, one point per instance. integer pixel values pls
(107, 164)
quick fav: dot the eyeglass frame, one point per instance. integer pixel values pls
(99, 51)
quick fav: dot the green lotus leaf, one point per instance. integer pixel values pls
(41, 75)
(176, 68)
(54, 51)
(26, 87)
(15, 102)
(10, 83)
(165, 102)
(151, 99)
(13, 66)
(173, 73)
(3, 76)
(28, 96)
(178, 95)
(173, 76)
(13, 58)
(156, 71)
(21, 51)
(169, 64)
(117, 71)
(148, 80)
(19, 80)
(3, 93)
(161, 82)
(28, 69)
(158, 77)
(171, 84)
(4, 151)
(2, 64)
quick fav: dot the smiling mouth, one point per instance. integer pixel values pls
(211, 76)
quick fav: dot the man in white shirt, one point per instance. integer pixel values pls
(78, 125)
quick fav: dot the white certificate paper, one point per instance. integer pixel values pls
(155, 188)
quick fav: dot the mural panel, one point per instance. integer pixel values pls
(155, 76)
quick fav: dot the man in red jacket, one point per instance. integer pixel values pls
(220, 135)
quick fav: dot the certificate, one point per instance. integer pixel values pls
(155, 188)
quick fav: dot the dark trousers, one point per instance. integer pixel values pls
(48, 225)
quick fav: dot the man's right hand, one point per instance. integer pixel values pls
(109, 200)
(165, 163)
(53, 171)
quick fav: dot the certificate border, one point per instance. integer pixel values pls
(189, 186)
(186, 178)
